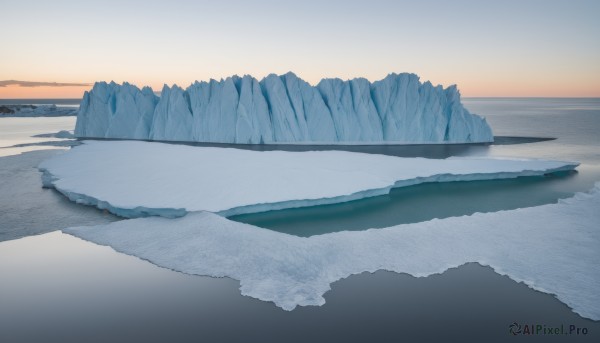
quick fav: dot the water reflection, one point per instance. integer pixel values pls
(57, 288)
(18, 135)
(423, 202)
(400, 150)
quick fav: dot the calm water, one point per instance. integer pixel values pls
(574, 123)
(57, 288)
(16, 131)
(57, 102)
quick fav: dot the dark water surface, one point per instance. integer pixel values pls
(28, 209)
(57, 288)
(57, 102)
(63, 289)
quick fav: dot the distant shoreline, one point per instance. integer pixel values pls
(38, 101)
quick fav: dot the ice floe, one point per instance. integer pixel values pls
(134, 178)
(552, 248)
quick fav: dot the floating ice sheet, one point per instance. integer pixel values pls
(134, 179)
(552, 248)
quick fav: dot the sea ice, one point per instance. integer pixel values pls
(551, 248)
(133, 178)
(282, 109)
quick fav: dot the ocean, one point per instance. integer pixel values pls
(72, 290)
(57, 102)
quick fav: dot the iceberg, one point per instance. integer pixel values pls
(551, 248)
(135, 178)
(283, 109)
(116, 112)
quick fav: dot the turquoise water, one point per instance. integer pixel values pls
(574, 123)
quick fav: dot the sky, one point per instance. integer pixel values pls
(488, 48)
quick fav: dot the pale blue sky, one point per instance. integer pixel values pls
(501, 48)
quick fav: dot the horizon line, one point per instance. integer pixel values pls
(462, 97)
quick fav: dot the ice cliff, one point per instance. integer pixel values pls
(282, 109)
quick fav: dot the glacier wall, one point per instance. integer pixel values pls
(282, 109)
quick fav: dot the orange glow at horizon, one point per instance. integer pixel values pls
(488, 49)
(468, 88)
(43, 92)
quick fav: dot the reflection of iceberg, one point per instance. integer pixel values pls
(552, 248)
(60, 134)
(283, 109)
(134, 179)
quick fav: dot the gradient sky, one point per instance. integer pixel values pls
(488, 48)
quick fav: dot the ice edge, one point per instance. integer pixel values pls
(49, 181)
(91, 234)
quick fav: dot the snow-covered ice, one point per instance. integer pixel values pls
(283, 109)
(551, 248)
(134, 178)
